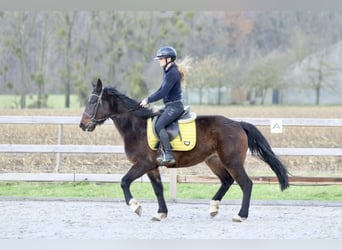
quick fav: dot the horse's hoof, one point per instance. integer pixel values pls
(160, 163)
(238, 218)
(135, 206)
(214, 208)
(159, 216)
(213, 214)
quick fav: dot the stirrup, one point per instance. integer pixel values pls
(169, 162)
(161, 157)
(169, 159)
(160, 160)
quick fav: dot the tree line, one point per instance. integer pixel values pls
(46, 52)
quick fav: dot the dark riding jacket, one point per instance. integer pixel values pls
(170, 89)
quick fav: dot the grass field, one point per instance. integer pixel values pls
(54, 101)
(184, 191)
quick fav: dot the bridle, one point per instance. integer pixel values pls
(93, 120)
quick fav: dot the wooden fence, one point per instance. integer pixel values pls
(172, 177)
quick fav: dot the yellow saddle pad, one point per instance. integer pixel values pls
(184, 141)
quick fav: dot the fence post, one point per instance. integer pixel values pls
(58, 156)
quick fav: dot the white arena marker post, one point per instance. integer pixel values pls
(173, 183)
(276, 126)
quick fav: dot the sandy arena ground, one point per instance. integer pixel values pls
(104, 219)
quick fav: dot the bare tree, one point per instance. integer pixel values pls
(265, 74)
(205, 73)
(318, 75)
(16, 42)
(39, 76)
(67, 21)
(82, 68)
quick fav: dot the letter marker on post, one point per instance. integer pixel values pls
(276, 126)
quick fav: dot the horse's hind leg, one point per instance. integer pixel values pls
(239, 174)
(154, 176)
(226, 179)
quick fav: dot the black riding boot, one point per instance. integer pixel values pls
(166, 157)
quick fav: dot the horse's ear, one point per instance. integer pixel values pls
(98, 85)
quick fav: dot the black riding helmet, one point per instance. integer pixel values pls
(166, 52)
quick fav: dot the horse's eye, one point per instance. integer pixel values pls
(92, 100)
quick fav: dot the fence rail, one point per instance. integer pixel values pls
(116, 178)
(118, 149)
(75, 120)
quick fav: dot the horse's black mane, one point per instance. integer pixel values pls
(132, 105)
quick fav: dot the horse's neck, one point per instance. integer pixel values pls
(129, 126)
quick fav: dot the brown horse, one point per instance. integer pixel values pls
(222, 143)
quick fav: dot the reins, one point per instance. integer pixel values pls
(133, 109)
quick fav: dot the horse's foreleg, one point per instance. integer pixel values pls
(226, 182)
(155, 178)
(126, 181)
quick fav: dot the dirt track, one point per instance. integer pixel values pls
(102, 219)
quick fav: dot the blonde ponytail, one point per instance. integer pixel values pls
(183, 67)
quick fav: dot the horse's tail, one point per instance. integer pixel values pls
(260, 147)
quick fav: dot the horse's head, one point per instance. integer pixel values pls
(97, 110)
(107, 103)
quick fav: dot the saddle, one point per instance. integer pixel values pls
(182, 132)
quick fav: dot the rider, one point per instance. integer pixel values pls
(171, 93)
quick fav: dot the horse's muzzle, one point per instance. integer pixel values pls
(89, 127)
(82, 126)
